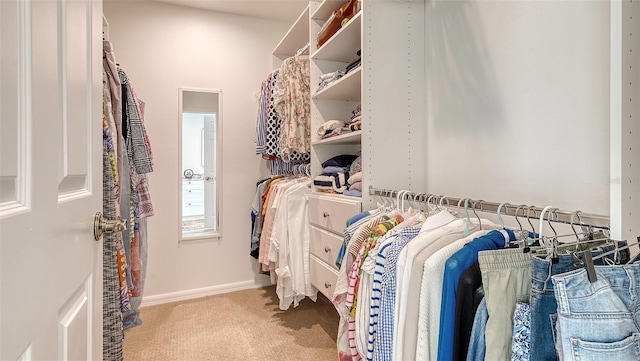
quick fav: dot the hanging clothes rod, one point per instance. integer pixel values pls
(577, 218)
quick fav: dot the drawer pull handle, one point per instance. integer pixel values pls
(325, 214)
(327, 249)
(327, 285)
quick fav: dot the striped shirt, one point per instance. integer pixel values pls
(350, 231)
(355, 273)
(261, 123)
(383, 296)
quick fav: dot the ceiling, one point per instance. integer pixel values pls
(284, 10)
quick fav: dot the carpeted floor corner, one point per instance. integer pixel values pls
(244, 325)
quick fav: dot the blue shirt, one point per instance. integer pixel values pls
(453, 269)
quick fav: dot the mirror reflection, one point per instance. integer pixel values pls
(199, 163)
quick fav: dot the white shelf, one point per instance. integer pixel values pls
(347, 138)
(324, 11)
(296, 38)
(344, 44)
(336, 195)
(346, 88)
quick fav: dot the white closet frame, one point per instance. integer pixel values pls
(625, 120)
(395, 118)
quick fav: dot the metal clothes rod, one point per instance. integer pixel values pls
(509, 209)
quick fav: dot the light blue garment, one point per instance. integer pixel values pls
(357, 217)
(599, 321)
(521, 341)
(477, 344)
(352, 193)
(335, 169)
(383, 346)
(543, 302)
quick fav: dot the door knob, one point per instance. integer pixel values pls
(208, 178)
(102, 225)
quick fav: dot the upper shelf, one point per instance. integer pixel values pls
(346, 138)
(297, 36)
(344, 44)
(326, 9)
(346, 88)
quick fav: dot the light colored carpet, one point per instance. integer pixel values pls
(245, 325)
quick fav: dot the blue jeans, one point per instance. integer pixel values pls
(599, 320)
(477, 344)
(543, 302)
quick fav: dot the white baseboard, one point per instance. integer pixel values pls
(202, 292)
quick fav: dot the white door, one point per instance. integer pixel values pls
(50, 180)
(209, 146)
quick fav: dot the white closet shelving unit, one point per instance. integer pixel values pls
(328, 212)
(625, 120)
(400, 144)
(340, 98)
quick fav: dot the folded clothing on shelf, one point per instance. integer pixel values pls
(335, 169)
(328, 126)
(336, 132)
(357, 186)
(343, 160)
(332, 181)
(328, 78)
(357, 112)
(356, 166)
(355, 177)
(352, 193)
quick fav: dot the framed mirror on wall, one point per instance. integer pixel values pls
(199, 165)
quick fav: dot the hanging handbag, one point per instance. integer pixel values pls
(347, 11)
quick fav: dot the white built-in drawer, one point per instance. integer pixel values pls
(325, 245)
(332, 213)
(323, 277)
(192, 185)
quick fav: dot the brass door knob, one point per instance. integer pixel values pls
(102, 225)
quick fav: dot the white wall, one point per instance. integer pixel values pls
(163, 47)
(518, 102)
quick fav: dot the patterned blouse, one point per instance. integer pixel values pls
(291, 95)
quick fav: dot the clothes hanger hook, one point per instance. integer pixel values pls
(442, 200)
(529, 209)
(398, 195)
(503, 204)
(466, 208)
(516, 214)
(473, 209)
(575, 214)
(429, 205)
